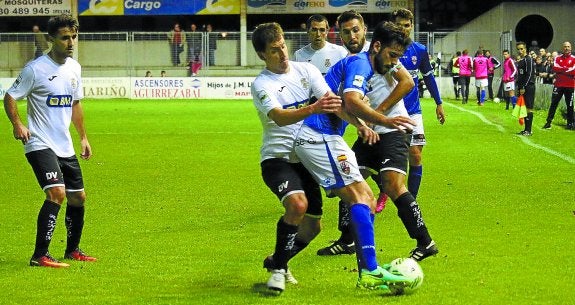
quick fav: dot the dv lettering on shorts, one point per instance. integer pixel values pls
(59, 101)
(283, 186)
(52, 176)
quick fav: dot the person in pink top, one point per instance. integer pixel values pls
(465, 66)
(480, 67)
(509, 72)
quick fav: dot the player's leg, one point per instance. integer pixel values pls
(529, 104)
(555, 99)
(490, 85)
(45, 165)
(416, 143)
(75, 209)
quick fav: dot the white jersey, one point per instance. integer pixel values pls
(323, 58)
(290, 90)
(380, 88)
(51, 89)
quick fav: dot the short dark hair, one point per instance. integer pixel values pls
(402, 13)
(62, 21)
(347, 16)
(316, 18)
(266, 33)
(521, 42)
(387, 33)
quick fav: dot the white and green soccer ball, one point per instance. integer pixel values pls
(496, 100)
(407, 267)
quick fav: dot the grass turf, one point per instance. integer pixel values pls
(177, 213)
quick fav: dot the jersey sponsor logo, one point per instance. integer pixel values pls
(51, 78)
(358, 80)
(282, 88)
(327, 63)
(297, 105)
(59, 101)
(304, 83)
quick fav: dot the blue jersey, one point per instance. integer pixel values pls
(349, 74)
(416, 59)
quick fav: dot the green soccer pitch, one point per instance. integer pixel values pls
(177, 213)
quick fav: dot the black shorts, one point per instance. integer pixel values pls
(52, 171)
(284, 178)
(388, 154)
(529, 96)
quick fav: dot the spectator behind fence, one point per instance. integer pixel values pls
(40, 43)
(176, 39)
(212, 45)
(194, 40)
(148, 74)
(564, 67)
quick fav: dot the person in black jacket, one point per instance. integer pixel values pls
(525, 83)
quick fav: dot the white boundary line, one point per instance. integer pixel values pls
(524, 139)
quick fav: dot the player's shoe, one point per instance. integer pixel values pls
(381, 279)
(337, 248)
(277, 281)
(547, 126)
(381, 200)
(79, 255)
(269, 265)
(525, 133)
(47, 261)
(420, 254)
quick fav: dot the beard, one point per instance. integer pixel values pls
(354, 49)
(380, 67)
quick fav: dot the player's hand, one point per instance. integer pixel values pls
(440, 114)
(86, 150)
(21, 133)
(368, 135)
(329, 103)
(402, 123)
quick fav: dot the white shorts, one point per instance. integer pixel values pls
(482, 83)
(328, 158)
(418, 134)
(510, 86)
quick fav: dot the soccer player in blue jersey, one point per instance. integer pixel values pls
(416, 59)
(323, 151)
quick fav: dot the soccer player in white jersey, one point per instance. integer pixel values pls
(53, 87)
(281, 94)
(319, 52)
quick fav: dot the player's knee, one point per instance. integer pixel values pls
(56, 194)
(76, 198)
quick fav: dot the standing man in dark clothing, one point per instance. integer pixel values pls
(526, 84)
(492, 64)
(564, 67)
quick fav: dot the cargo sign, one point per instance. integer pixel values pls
(157, 7)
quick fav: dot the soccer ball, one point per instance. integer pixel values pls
(497, 100)
(409, 268)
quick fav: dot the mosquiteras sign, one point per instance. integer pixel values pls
(157, 7)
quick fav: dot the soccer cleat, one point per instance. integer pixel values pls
(79, 255)
(269, 265)
(47, 261)
(381, 279)
(337, 248)
(420, 254)
(277, 281)
(525, 133)
(547, 126)
(381, 200)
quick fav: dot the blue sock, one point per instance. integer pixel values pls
(513, 101)
(482, 95)
(361, 219)
(414, 179)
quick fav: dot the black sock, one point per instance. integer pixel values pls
(74, 225)
(529, 121)
(298, 245)
(344, 224)
(285, 240)
(409, 213)
(45, 227)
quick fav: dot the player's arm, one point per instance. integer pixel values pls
(78, 121)
(328, 103)
(19, 130)
(404, 84)
(431, 84)
(354, 104)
